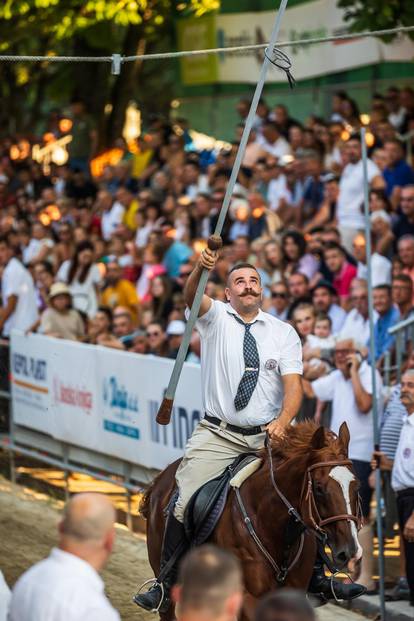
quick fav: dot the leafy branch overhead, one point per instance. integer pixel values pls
(378, 15)
(88, 28)
(57, 20)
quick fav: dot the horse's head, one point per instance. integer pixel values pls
(331, 494)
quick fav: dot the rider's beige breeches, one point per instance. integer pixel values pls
(208, 452)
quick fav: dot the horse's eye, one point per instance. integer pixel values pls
(319, 488)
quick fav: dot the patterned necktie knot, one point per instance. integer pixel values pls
(251, 367)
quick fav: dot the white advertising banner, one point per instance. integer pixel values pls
(315, 19)
(102, 399)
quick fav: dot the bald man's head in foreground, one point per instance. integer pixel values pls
(209, 586)
(87, 529)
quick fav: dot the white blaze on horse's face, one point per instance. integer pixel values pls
(343, 476)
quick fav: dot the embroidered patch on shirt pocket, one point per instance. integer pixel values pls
(272, 365)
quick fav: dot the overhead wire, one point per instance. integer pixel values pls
(116, 59)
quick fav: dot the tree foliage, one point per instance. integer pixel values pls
(378, 15)
(87, 28)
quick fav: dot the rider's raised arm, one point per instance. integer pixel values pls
(207, 260)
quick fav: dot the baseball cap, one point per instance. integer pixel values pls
(176, 328)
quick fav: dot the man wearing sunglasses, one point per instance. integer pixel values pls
(279, 301)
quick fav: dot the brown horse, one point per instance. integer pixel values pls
(312, 470)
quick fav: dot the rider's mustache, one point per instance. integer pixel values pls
(249, 292)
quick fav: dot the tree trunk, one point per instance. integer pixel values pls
(91, 83)
(125, 82)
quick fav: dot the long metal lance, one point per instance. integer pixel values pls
(378, 491)
(214, 242)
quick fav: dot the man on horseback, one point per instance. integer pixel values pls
(251, 368)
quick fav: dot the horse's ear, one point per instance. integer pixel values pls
(343, 436)
(318, 439)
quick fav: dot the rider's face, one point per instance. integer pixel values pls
(244, 291)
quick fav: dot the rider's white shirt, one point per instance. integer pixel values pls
(222, 364)
(62, 587)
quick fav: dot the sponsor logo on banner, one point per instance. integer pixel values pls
(123, 407)
(74, 396)
(29, 367)
(29, 377)
(179, 431)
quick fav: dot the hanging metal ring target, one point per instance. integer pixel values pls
(282, 61)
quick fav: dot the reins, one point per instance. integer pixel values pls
(298, 523)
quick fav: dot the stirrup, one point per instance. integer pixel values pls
(154, 582)
(332, 581)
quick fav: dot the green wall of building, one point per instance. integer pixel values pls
(210, 108)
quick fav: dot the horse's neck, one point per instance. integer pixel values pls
(289, 476)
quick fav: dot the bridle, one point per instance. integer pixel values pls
(315, 518)
(296, 521)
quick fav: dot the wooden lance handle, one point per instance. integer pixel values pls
(214, 242)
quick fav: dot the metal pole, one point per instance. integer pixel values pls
(387, 368)
(164, 413)
(399, 347)
(378, 490)
(65, 452)
(13, 477)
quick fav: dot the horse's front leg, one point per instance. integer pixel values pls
(169, 615)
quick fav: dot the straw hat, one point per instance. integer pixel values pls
(59, 288)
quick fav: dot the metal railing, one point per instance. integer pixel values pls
(404, 333)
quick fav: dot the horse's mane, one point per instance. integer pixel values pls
(297, 440)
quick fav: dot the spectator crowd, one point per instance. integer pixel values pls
(103, 258)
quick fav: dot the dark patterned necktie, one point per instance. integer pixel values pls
(251, 368)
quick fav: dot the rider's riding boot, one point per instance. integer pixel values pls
(328, 588)
(175, 543)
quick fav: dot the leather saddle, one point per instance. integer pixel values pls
(207, 504)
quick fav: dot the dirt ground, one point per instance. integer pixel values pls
(28, 530)
(28, 521)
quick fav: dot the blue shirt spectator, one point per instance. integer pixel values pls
(389, 315)
(398, 173)
(176, 254)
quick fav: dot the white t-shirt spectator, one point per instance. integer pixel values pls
(34, 247)
(351, 194)
(278, 149)
(276, 190)
(16, 280)
(111, 220)
(84, 297)
(336, 388)
(62, 587)
(381, 268)
(356, 327)
(196, 188)
(337, 315)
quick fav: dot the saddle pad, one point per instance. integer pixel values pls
(207, 504)
(245, 472)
